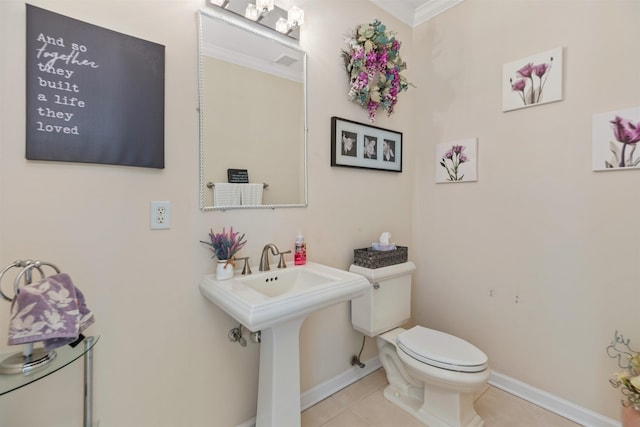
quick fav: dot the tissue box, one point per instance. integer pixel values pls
(369, 258)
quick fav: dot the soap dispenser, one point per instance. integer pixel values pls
(300, 255)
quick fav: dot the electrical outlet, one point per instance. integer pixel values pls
(160, 215)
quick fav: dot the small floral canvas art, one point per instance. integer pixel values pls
(457, 161)
(615, 135)
(532, 81)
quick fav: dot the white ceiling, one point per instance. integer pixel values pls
(415, 12)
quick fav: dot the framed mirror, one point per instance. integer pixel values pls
(252, 108)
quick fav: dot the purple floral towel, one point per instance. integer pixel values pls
(52, 310)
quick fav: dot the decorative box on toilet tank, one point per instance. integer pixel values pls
(370, 258)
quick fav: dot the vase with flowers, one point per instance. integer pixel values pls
(224, 247)
(628, 380)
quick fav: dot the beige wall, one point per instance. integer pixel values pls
(164, 358)
(538, 224)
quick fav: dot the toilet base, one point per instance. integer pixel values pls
(428, 415)
(436, 397)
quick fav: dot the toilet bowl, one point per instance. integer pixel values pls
(432, 375)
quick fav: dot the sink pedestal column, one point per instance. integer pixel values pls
(279, 376)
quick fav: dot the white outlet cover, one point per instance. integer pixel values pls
(160, 215)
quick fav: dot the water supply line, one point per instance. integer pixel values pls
(355, 360)
(235, 335)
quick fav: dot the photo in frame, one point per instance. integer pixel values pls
(532, 81)
(359, 145)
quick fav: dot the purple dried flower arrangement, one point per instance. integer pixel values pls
(374, 66)
(225, 245)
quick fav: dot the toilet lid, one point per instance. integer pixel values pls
(442, 350)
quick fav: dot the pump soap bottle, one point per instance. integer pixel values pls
(300, 256)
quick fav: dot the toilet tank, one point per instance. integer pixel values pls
(387, 302)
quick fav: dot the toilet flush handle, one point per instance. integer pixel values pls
(376, 285)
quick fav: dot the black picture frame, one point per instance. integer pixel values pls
(358, 145)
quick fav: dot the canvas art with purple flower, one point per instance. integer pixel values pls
(615, 137)
(533, 80)
(452, 160)
(530, 80)
(626, 134)
(457, 161)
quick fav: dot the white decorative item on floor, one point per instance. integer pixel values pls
(432, 375)
(224, 270)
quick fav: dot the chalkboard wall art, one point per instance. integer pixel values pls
(93, 95)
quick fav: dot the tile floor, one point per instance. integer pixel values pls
(362, 404)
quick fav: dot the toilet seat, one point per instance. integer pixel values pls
(441, 350)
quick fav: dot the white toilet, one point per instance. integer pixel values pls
(432, 375)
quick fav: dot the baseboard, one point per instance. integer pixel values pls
(548, 401)
(337, 383)
(333, 385)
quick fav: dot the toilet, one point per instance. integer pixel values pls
(432, 375)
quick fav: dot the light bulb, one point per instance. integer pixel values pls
(251, 12)
(282, 26)
(265, 6)
(295, 16)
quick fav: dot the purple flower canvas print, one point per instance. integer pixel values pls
(615, 135)
(457, 161)
(532, 81)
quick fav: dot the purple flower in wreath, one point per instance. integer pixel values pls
(375, 52)
(357, 54)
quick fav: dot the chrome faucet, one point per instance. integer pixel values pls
(264, 258)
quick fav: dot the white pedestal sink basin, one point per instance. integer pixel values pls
(276, 303)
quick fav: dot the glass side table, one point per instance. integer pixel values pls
(64, 356)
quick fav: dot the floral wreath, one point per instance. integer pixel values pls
(374, 66)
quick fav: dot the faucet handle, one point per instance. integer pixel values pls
(247, 268)
(281, 263)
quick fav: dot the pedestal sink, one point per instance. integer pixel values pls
(276, 303)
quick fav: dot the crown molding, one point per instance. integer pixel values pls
(431, 9)
(413, 15)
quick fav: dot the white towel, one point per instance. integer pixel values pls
(252, 194)
(225, 194)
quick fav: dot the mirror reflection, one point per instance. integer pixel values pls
(252, 115)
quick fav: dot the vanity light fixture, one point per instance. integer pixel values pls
(266, 13)
(295, 18)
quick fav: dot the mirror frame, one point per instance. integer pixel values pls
(232, 19)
